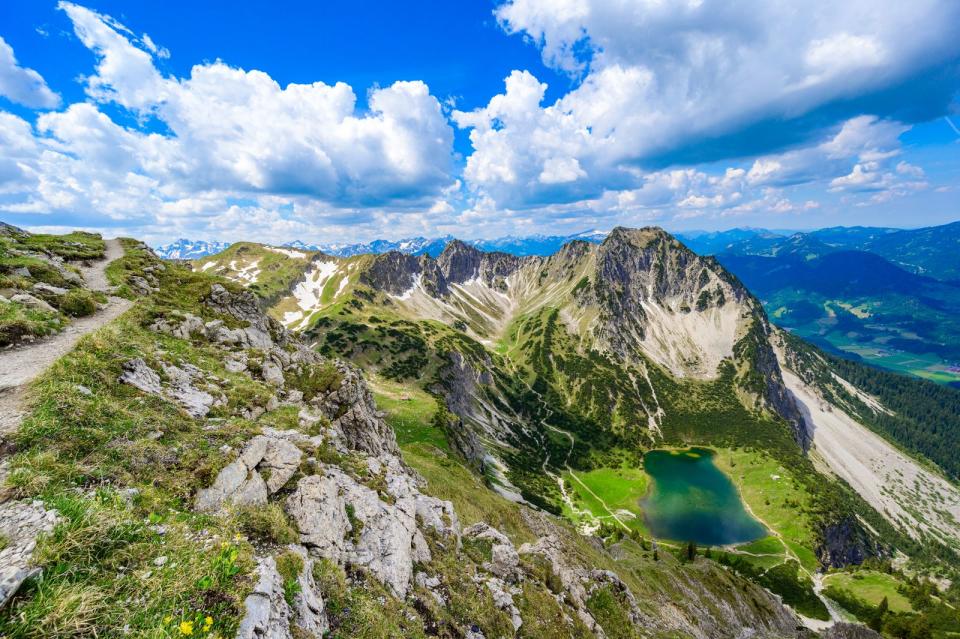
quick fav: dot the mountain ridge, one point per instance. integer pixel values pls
(525, 393)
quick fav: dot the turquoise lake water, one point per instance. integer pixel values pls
(692, 500)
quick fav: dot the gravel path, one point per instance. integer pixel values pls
(20, 365)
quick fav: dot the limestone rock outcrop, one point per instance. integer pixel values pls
(21, 522)
(242, 481)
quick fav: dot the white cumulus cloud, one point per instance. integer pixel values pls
(695, 81)
(22, 85)
(221, 142)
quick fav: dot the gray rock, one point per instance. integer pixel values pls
(385, 543)
(141, 285)
(241, 483)
(30, 301)
(361, 426)
(196, 402)
(309, 611)
(22, 271)
(236, 364)
(282, 459)
(138, 374)
(572, 578)
(43, 287)
(505, 561)
(503, 599)
(271, 373)
(21, 523)
(267, 614)
(184, 327)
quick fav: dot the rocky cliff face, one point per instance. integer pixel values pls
(396, 273)
(686, 312)
(461, 262)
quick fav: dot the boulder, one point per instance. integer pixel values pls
(344, 521)
(49, 289)
(21, 523)
(195, 402)
(267, 614)
(241, 482)
(271, 373)
(30, 301)
(138, 374)
(504, 561)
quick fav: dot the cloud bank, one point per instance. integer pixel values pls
(676, 110)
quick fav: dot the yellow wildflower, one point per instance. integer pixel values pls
(207, 622)
(186, 627)
(167, 620)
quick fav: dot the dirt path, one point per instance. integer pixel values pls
(20, 365)
(789, 554)
(567, 498)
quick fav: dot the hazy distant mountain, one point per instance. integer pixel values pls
(931, 251)
(531, 245)
(184, 249)
(715, 242)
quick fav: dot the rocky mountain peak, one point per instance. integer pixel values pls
(461, 262)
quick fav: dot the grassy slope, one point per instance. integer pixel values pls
(32, 252)
(276, 272)
(76, 450)
(872, 587)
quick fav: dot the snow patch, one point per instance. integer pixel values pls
(307, 293)
(407, 294)
(246, 275)
(286, 251)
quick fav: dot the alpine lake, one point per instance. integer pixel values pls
(690, 499)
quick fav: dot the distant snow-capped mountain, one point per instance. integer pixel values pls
(184, 249)
(529, 245)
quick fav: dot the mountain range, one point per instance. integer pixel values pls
(527, 245)
(612, 440)
(885, 296)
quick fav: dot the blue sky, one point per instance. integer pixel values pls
(345, 121)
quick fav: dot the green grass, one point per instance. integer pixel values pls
(613, 489)
(410, 412)
(78, 302)
(776, 498)
(18, 321)
(72, 246)
(277, 272)
(871, 586)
